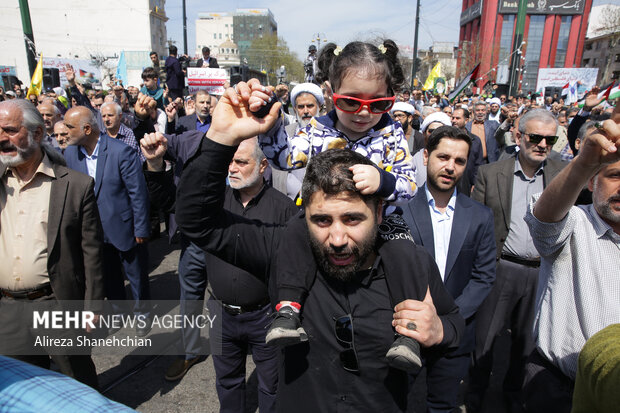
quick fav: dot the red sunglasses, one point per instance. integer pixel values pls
(350, 104)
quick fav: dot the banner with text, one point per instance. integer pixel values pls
(211, 80)
(85, 70)
(584, 78)
(565, 7)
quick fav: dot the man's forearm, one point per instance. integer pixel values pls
(560, 195)
(202, 187)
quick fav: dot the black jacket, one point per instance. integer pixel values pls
(212, 63)
(311, 376)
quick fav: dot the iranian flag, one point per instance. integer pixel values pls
(471, 76)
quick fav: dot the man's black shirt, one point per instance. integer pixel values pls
(311, 375)
(229, 283)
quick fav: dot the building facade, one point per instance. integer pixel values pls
(440, 52)
(83, 30)
(602, 46)
(554, 36)
(213, 29)
(250, 24)
(242, 27)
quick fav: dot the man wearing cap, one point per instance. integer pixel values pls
(404, 112)
(494, 109)
(431, 122)
(307, 99)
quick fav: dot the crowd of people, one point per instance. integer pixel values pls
(357, 236)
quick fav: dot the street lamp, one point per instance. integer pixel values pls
(317, 37)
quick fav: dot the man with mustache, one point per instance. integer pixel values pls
(458, 233)
(51, 238)
(406, 114)
(239, 295)
(199, 120)
(506, 187)
(111, 114)
(51, 115)
(348, 314)
(485, 130)
(307, 99)
(579, 284)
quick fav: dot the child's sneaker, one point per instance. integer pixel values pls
(404, 354)
(286, 328)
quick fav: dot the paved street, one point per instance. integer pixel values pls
(138, 381)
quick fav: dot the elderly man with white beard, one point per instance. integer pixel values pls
(239, 296)
(307, 99)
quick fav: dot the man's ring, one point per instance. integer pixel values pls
(598, 125)
(411, 326)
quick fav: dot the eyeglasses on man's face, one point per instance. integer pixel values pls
(536, 139)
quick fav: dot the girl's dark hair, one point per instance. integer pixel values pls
(329, 172)
(357, 55)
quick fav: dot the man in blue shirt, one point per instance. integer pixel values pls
(122, 198)
(458, 233)
(200, 120)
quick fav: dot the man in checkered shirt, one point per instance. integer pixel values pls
(579, 286)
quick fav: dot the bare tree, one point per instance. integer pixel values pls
(609, 26)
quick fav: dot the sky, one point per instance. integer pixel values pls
(338, 21)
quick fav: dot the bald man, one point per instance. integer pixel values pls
(123, 203)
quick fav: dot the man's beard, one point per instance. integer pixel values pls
(23, 154)
(303, 122)
(343, 272)
(606, 211)
(245, 182)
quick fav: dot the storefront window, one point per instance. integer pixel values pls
(560, 54)
(532, 54)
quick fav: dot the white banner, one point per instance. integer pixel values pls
(584, 78)
(211, 80)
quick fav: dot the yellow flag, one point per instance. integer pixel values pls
(430, 80)
(36, 83)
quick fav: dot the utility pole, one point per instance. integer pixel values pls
(515, 60)
(31, 51)
(414, 65)
(184, 29)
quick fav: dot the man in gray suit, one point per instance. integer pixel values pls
(506, 187)
(50, 233)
